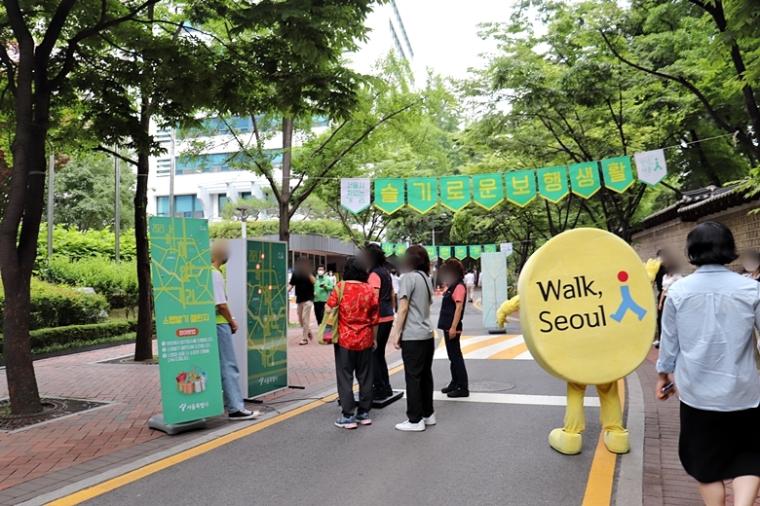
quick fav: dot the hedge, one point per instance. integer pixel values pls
(116, 281)
(58, 305)
(76, 244)
(43, 338)
(231, 229)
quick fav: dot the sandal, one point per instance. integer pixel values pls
(303, 341)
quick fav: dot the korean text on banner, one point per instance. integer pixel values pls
(584, 179)
(552, 183)
(422, 193)
(355, 194)
(455, 192)
(618, 174)
(183, 294)
(488, 190)
(389, 194)
(521, 187)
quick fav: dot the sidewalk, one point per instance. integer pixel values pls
(50, 455)
(665, 481)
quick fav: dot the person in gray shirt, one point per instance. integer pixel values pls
(412, 333)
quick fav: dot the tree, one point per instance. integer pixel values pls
(289, 58)
(42, 44)
(84, 193)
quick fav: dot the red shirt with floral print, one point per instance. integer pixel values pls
(359, 311)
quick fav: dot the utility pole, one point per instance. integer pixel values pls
(172, 171)
(117, 207)
(50, 205)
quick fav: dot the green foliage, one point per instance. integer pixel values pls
(58, 305)
(75, 244)
(116, 281)
(84, 193)
(45, 337)
(232, 229)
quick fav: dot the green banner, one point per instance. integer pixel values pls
(183, 295)
(475, 251)
(422, 193)
(552, 183)
(521, 187)
(584, 179)
(267, 317)
(489, 248)
(432, 252)
(460, 252)
(618, 173)
(488, 190)
(444, 252)
(388, 248)
(389, 194)
(400, 249)
(455, 192)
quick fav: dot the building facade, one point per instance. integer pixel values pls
(204, 169)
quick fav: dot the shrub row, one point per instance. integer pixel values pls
(43, 338)
(116, 281)
(75, 244)
(57, 305)
(231, 229)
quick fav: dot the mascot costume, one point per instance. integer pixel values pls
(588, 316)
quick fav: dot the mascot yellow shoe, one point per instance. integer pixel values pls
(589, 319)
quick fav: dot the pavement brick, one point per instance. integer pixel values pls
(665, 482)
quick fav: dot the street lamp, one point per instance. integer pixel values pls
(243, 212)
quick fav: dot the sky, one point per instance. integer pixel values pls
(444, 33)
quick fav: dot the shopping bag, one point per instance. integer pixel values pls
(328, 329)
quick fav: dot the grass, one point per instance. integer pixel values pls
(75, 346)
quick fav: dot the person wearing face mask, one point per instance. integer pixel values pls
(750, 260)
(323, 285)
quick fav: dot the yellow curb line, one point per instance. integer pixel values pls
(601, 476)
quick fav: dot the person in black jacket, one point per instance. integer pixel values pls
(450, 322)
(373, 259)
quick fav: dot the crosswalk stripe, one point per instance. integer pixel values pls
(524, 399)
(490, 351)
(510, 353)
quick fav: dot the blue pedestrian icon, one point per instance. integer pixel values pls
(627, 303)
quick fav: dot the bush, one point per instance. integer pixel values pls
(58, 305)
(75, 244)
(231, 229)
(43, 338)
(116, 281)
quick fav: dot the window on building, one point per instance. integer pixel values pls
(185, 206)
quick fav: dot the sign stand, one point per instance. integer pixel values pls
(257, 292)
(157, 422)
(494, 285)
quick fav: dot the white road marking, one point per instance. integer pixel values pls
(524, 399)
(495, 348)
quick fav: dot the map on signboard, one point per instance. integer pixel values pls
(267, 317)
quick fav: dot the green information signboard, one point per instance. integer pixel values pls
(183, 294)
(267, 288)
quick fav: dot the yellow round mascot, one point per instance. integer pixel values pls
(588, 316)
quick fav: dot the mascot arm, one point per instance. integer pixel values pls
(507, 308)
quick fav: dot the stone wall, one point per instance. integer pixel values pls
(672, 234)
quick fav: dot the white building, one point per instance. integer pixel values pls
(217, 173)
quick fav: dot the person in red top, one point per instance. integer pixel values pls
(358, 317)
(450, 322)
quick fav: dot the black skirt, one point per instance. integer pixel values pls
(719, 445)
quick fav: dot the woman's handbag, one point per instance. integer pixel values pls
(328, 329)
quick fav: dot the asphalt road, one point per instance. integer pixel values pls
(480, 453)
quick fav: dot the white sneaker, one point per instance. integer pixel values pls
(430, 420)
(408, 426)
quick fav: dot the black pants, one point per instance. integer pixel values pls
(418, 370)
(459, 379)
(381, 383)
(348, 363)
(319, 311)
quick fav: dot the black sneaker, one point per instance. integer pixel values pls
(243, 414)
(459, 392)
(448, 389)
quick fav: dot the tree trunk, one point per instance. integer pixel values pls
(18, 248)
(287, 160)
(144, 338)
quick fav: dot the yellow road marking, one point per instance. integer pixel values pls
(138, 474)
(482, 344)
(510, 353)
(601, 476)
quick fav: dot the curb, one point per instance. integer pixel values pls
(630, 479)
